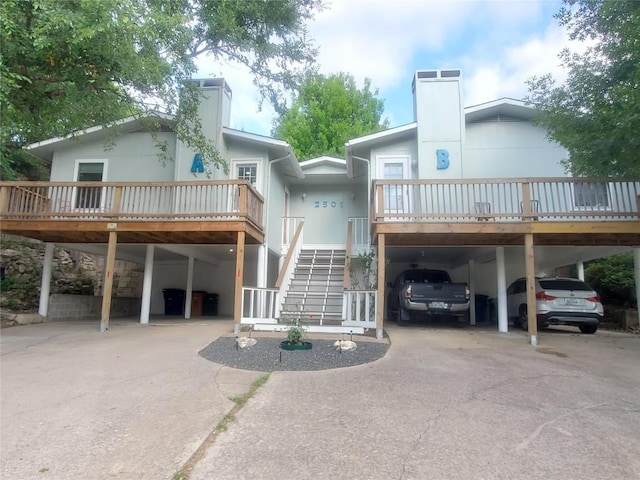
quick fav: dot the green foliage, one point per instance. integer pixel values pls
(612, 278)
(18, 165)
(328, 111)
(594, 115)
(295, 332)
(242, 399)
(363, 271)
(69, 65)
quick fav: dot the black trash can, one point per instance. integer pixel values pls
(174, 301)
(482, 308)
(210, 304)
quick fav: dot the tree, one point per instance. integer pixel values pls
(328, 111)
(595, 114)
(69, 65)
(612, 278)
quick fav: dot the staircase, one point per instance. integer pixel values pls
(316, 289)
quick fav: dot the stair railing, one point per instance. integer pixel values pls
(286, 272)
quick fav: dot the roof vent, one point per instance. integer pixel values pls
(449, 73)
(427, 74)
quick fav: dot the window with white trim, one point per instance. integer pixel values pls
(248, 171)
(89, 197)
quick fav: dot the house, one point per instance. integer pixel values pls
(479, 191)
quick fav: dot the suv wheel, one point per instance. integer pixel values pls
(588, 328)
(522, 318)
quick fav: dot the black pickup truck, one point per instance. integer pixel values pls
(427, 292)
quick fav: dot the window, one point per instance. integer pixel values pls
(591, 195)
(89, 197)
(248, 171)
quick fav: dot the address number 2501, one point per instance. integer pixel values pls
(327, 204)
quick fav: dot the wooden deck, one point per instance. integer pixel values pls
(208, 212)
(556, 211)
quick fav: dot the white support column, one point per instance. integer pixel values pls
(45, 284)
(262, 266)
(472, 292)
(580, 266)
(636, 275)
(503, 318)
(187, 301)
(145, 308)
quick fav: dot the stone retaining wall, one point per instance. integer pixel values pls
(71, 307)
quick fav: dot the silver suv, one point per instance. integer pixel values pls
(559, 301)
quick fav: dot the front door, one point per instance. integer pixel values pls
(396, 196)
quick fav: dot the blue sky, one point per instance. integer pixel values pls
(497, 44)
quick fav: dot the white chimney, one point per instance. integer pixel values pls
(214, 112)
(438, 109)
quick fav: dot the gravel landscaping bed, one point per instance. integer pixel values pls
(267, 356)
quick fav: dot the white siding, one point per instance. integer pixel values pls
(510, 149)
(134, 158)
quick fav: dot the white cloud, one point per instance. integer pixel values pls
(498, 45)
(506, 75)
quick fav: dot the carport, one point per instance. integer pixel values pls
(501, 252)
(489, 269)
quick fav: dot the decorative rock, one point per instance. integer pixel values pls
(345, 345)
(246, 342)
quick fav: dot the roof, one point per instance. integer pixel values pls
(384, 136)
(503, 106)
(326, 160)
(281, 150)
(46, 148)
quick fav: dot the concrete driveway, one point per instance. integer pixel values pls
(132, 403)
(136, 402)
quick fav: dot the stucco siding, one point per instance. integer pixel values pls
(326, 209)
(510, 149)
(274, 198)
(133, 158)
(407, 148)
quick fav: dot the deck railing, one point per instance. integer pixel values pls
(549, 199)
(204, 200)
(260, 305)
(360, 242)
(359, 308)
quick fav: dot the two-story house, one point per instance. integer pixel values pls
(479, 191)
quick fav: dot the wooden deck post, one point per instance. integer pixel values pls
(530, 270)
(4, 199)
(237, 304)
(382, 262)
(636, 273)
(379, 213)
(108, 280)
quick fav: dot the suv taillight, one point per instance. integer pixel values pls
(544, 296)
(594, 299)
(407, 292)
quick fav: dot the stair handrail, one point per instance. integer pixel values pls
(346, 280)
(286, 272)
(287, 260)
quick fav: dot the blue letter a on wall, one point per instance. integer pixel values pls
(197, 166)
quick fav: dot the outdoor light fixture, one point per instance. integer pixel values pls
(304, 197)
